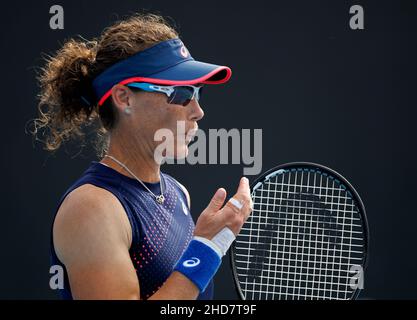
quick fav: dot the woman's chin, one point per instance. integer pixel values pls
(180, 153)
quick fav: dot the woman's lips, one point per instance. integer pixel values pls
(190, 135)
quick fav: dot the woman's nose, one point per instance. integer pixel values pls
(196, 113)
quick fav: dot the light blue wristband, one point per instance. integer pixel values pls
(199, 263)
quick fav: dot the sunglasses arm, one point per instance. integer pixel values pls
(167, 90)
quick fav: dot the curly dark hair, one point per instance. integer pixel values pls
(67, 103)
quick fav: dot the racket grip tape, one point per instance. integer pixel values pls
(199, 263)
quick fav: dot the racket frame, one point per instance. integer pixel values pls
(344, 181)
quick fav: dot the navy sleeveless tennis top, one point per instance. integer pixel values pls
(160, 233)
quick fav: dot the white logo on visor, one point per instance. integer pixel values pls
(191, 263)
(184, 51)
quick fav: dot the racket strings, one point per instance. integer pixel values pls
(301, 241)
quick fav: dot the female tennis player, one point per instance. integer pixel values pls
(123, 230)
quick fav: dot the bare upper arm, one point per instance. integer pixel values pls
(92, 237)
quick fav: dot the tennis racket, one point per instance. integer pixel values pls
(306, 239)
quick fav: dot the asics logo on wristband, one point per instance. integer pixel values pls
(191, 262)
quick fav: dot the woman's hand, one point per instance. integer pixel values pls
(214, 218)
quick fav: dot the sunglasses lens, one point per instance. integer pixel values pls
(181, 95)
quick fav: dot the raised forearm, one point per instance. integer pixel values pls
(176, 287)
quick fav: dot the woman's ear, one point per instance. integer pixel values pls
(121, 96)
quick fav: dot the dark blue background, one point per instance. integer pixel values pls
(320, 91)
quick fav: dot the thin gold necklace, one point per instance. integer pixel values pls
(160, 199)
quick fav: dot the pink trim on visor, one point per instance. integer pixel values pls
(202, 79)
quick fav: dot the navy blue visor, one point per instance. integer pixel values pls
(166, 63)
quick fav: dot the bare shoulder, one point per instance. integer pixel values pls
(88, 202)
(89, 215)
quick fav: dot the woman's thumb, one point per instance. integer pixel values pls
(217, 201)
